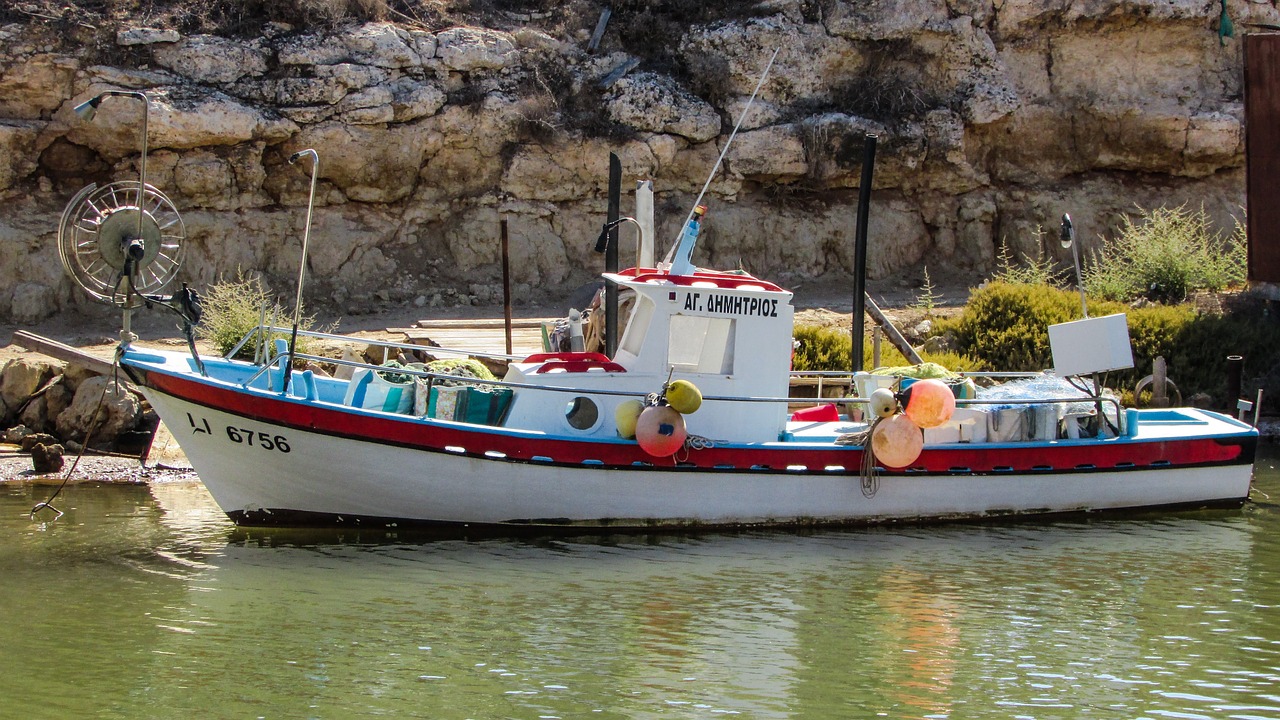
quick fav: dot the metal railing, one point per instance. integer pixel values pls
(270, 360)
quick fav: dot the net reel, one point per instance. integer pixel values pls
(122, 243)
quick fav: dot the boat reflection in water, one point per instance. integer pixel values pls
(1041, 619)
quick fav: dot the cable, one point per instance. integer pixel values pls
(48, 504)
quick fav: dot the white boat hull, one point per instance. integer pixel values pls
(328, 479)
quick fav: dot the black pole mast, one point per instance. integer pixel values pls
(860, 249)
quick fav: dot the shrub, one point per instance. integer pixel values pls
(829, 349)
(232, 308)
(1039, 270)
(1166, 255)
(1005, 327)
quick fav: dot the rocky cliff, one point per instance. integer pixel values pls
(993, 119)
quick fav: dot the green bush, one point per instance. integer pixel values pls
(1005, 327)
(232, 308)
(1039, 270)
(830, 349)
(1164, 256)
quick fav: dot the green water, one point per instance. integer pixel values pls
(146, 603)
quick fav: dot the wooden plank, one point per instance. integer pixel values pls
(488, 323)
(59, 351)
(601, 24)
(524, 341)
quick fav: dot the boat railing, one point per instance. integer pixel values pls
(272, 358)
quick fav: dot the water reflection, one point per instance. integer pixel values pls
(160, 608)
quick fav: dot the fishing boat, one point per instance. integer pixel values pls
(552, 455)
(686, 423)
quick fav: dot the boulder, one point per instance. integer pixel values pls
(99, 412)
(20, 378)
(14, 435)
(40, 414)
(74, 374)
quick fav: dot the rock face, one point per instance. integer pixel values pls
(993, 118)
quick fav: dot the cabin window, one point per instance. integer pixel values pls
(701, 344)
(582, 413)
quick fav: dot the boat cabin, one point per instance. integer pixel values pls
(727, 333)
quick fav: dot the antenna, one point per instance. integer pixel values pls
(720, 160)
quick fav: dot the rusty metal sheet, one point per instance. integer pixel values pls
(1262, 151)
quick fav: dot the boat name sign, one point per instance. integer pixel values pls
(729, 304)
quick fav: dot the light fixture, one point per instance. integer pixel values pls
(86, 111)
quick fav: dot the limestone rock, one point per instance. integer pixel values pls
(211, 59)
(776, 152)
(74, 374)
(370, 164)
(884, 19)
(101, 407)
(146, 36)
(14, 435)
(30, 440)
(467, 49)
(382, 45)
(33, 85)
(43, 409)
(655, 103)
(20, 378)
(17, 150)
(412, 99)
(179, 117)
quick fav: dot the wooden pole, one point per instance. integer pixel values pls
(611, 257)
(890, 331)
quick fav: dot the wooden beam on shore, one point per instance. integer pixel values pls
(891, 331)
(59, 351)
(493, 323)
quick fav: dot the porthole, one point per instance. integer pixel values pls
(582, 413)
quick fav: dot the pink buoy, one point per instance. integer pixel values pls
(660, 431)
(930, 403)
(897, 441)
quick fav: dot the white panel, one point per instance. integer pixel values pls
(1091, 345)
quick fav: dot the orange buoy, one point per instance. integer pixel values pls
(660, 431)
(930, 403)
(897, 441)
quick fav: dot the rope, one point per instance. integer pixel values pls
(869, 482)
(88, 436)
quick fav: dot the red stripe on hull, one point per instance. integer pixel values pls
(980, 459)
